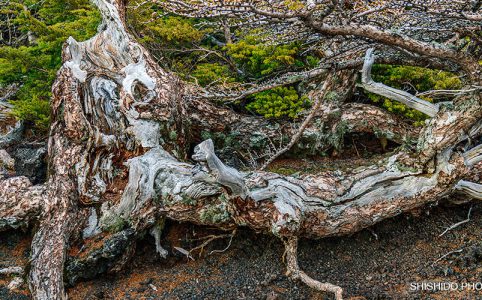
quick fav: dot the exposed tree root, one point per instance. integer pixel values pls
(119, 163)
(294, 271)
(210, 238)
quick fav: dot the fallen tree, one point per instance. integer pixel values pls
(120, 160)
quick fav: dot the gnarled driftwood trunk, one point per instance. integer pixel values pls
(119, 161)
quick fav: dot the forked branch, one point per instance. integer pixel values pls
(318, 100)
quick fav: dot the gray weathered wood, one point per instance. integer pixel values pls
(471, 189)
(391, 93)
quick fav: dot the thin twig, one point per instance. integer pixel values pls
(458, 224)
(208, 239)
(356, 149)
(227, 247)
(447, 93)
(447, 254)
(185, 252)
(373, 233)
(295, 138)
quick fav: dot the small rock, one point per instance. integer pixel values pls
(153, 287)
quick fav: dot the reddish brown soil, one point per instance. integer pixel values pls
(379, 263)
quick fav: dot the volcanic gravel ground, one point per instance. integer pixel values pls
(379, 263)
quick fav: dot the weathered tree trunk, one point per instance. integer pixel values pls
(119, 163)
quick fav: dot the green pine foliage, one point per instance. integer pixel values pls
(192, 48)
(163, 31)
(209, 73)
(279, 102)
(413, 79)
(32, 62)
(187, 47)
(175, 39)
(258, 59)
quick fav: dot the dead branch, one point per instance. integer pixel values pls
(447, 254)
(472, 189)
(473, 156)
(392, 93)
(11, 270)
(122, 131)
(314, 109)
(447, 93)
(453, 226)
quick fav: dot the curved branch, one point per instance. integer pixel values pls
(321, 70)
(318, 205)
(394, 94)
(473, 156)
(315, 19)
(467, 63)
(293, 270)
(471, 189)
(226, 176)
(253, 132)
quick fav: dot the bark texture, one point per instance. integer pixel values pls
(119, 163)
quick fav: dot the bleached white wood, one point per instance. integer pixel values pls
(392, 93)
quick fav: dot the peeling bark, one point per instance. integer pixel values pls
(119, 164)
(325, 204)
(20, 202)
